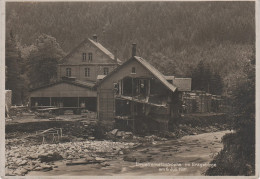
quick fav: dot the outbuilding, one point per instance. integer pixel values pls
(136, 90)
(66, 93)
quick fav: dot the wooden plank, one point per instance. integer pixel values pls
(47, 109)
(82, 162)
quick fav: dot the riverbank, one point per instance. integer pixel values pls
(189, 155)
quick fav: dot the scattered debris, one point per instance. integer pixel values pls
(129, 158)
(36, 144)
(20, 159)
(82, 162)
(50, 157)
(113, 132)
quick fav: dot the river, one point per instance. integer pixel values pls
(189, 155)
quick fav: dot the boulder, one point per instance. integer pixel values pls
(46, 167)
(128, 135)
(119, 134)
(70, 157)
(24, 171)
(20, 172)
(50, 157)
(100, 159)
(29, 167)
(38, 168)
(126, 151)
(114, 131)
(105, 164)
(23, 162)
(89, 158)
(17, 155)
(33, 156)
(129, 158)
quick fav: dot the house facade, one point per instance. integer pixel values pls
(87, 61)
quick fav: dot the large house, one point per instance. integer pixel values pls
(77, 74)
(88, 61)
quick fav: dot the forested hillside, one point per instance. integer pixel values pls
(174, 36)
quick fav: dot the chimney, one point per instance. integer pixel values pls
(115, 56)
(95, 37)
(133, 49)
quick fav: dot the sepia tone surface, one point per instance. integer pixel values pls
(130, 88)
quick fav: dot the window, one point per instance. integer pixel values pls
(87, 72)
(133, 69)
(116, 88)
(84, 57)
(90, 57)
(68, 72)
(106, 71)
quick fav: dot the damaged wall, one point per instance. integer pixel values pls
(125, 71)
(106, 92)
(135, 98)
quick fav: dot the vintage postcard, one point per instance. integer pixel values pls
(128, 88)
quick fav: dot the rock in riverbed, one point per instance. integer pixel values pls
(21, 160)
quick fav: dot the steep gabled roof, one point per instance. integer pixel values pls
(83, 84)
(96, 44)
(156, 73)
(103, 49)
(149, 67)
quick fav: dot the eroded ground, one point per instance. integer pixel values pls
(189, 155)
(123, 154)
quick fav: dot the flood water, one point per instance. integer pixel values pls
(189, 155)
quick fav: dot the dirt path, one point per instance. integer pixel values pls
(189, 155)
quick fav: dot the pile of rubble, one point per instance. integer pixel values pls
(116, 134)
(20, 160)
(15, 112)
(128, 136)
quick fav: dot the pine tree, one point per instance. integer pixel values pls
(13, 59)
(204, 79)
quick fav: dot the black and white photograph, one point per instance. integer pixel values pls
(129, 88)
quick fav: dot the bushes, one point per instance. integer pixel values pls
(238, 154)
(234, 159)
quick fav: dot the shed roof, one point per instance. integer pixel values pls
(83, 84)
(183, 84)
(98, 45)
(149, 67)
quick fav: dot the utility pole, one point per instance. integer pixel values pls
(132, 104)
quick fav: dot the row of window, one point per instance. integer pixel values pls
(87, 71)
(84, 57)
